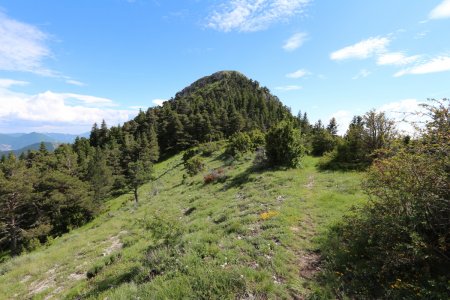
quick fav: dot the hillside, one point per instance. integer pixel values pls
(210, 109)
(253, 235)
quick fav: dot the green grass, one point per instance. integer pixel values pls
(194, 241)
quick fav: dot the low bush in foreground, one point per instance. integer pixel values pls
(398, 245)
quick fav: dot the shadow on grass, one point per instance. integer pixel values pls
(112, 281)
(168, 171)
(244, 177)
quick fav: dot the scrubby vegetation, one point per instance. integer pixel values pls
(397, 245)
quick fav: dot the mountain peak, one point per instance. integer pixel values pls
(215, 77)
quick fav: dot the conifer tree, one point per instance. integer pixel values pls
(332, 127)
(100, 176)
(94, 137)
(16, 187)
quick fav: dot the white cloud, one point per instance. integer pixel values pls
(343, 119)
(158, 102)
(6, 83)
(396, 58)
(22, 47)
(434, 65)
(405, 113)
(363, 49)
(287, 88)
(63, 111)
(295, 41)
(298, 74)
(362, 74)
(253, 15)
(86, 99)
(441, 11)
(75, 82)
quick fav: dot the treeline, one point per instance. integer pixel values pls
(358, 147)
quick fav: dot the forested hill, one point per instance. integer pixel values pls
(212, 108)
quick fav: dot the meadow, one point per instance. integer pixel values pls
(252, 234)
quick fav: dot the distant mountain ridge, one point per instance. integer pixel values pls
(16, 141)
(50, 146)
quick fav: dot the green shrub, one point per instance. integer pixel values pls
(190, 153)
(258, 139)
(398, 245)
(284, 146)
(208, 149)
(239, 143)
(322, 142)
(194, 166)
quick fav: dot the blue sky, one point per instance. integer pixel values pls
(66, 64)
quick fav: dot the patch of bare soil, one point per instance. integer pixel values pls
(309, 264)
(310, 183)
(116, 244)
(41, 285)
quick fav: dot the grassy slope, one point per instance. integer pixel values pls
(226, 249)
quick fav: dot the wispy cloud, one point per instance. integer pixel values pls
(298, 74)
(441, 11)
(295, 41)
(251, 15)
(6, 83)
(396, 58)
(363, 49)
(362, 74)
(75, 82)
(158, 102)
(64, 112)
(434, 65)
(288, 88)
(23, 47)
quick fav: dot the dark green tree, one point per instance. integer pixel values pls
(100, 176)
(332, 127)
(284, 145)
(138, 173)
(16, 191)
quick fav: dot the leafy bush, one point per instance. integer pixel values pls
(398, 245)
(208, 149)
(258, 138)
(322, 142)
(239, 143)
(194, 166)
(284, 145)
(190, 153)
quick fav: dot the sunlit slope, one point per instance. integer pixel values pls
(250, 235)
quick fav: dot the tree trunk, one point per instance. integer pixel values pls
(136, 195)
(13, 235)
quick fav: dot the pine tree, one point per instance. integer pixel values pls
(138, 173)
(16, 187)
(100, 176)
(332, 127)
(153, 144)
(94, 137)
(103, 134)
